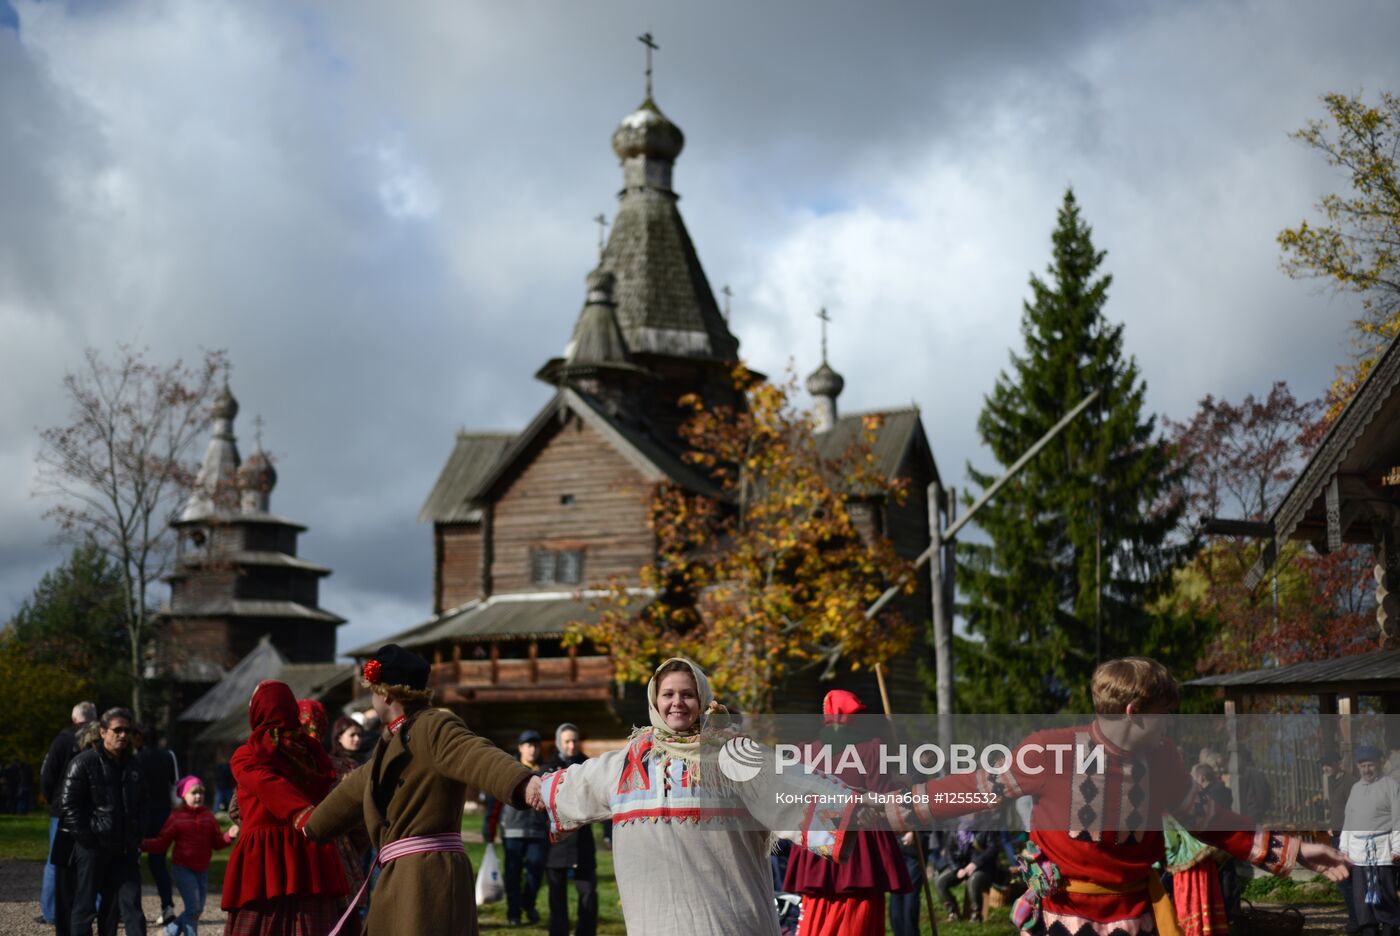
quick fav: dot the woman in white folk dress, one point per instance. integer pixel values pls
(689, 847)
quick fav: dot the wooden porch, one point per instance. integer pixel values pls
(532, 679)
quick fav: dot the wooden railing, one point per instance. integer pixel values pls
(516, 673)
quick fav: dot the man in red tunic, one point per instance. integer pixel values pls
(1099, 832)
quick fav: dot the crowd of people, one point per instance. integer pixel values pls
(355, 826)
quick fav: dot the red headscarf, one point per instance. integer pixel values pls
(838, 704)
(277, 742)
(312, 715)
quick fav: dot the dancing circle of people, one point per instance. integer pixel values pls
(307, 819)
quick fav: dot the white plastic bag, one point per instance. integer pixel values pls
(489, 887)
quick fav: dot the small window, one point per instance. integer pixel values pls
(570, 566)
(566, 500)
(541, 567)
(556, 566)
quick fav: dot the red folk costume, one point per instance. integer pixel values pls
(278, 883)
(848, 899)
(312, 716)
(195, 833)
(1103, 831)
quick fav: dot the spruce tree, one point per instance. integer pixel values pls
(74, 621)
(1080, 542)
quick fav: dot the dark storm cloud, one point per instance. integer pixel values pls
(383, 212)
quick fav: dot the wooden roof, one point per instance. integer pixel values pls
(899, 437)
(306, 680)
(236, 688)
(655, 460)
(1359, 449)
(1362, 673)
(472, 459)
(537, 615)
(224, 606)
(664, 302)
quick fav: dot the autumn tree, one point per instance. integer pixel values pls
(1240, 460)
(120, 469)
(1080, 543)
(43, 696)
(74, 620)
(1356, 248)
(770, 577)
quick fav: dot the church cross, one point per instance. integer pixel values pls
(728, 298)
(822, 314)
(646, 40)
(257, 430)
(602, 222)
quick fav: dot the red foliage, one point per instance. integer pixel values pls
(1242, 459)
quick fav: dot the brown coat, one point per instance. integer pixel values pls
(416, 785)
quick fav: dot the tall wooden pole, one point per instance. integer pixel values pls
(942, 620)
(965, 518)
(940, 535)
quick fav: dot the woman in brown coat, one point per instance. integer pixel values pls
(409, 797)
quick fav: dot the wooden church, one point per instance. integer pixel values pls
(523, 523)
(238, 585)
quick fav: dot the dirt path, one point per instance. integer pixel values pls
(20, 882)
(1318, 919)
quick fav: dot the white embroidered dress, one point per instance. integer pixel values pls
(686, 861)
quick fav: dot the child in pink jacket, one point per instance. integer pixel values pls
(195, 833)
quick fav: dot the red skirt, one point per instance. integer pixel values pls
(843, 916)
(1199, 901)
(285, 916)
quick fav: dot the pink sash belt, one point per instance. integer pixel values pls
(413, 845)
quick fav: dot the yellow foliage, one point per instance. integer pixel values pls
(1358, 248)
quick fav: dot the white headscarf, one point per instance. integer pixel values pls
(689, 745)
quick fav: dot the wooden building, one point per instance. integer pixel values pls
(523, 523)
(238, 580)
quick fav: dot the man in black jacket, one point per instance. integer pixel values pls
(101, 809)
(576, 852)
(63, 749)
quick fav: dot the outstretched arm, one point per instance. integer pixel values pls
(471, 759)
(342, 809)
(578, 794)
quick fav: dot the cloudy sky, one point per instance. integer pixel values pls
(385, 218)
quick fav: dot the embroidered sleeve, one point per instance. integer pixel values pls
(1024, 773)
(578, 794)
(775, 799)
(1275, 852)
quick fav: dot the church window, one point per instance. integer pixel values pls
(556, 566)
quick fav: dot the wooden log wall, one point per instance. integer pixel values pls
(458, 547)
(605, 514)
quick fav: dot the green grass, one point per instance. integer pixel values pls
(493, 916)
(27, 838)
(1272, 889)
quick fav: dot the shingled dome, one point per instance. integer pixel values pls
(648, 132)
(225, 406)
(257, 473)
(825, 382)
(596, 338)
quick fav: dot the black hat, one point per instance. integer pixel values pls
(528, 735)
(392, 665)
